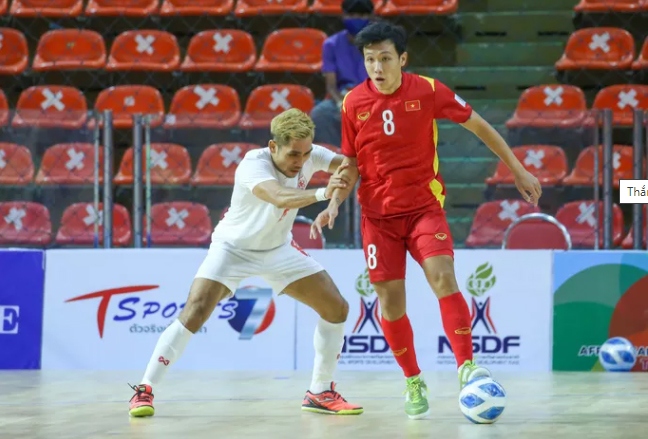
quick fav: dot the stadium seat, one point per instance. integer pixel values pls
(628, 241)
(491, 220)
(78, 222)
(622, 99)
(535, 231)
(4, 6)
(69, 164)
(641, 63)
(125, 8)
(51, 106)
(70, 49)
(419, 7)
(180, 223)
(249, 8)
(579, 217)
(301, 235)
(600, 48)
(321, 178)
(218, 162)
(46, 8)
(547, 162)
(292, 50)
(334, 7)
(14, 54)
(172, 8)
(544, 106)
(4, 109)
(170, 164)
(16, 164)
(583, 172)
(266, 101)
(611, 6)
(127, 100)
(223, 50)
(144, 50)
(24, 223)
(204, 106)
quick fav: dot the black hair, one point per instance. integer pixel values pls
(379, 31)
(360, 7)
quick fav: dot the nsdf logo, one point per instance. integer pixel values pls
(250, 312)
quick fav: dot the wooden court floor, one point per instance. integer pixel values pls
(201, 405)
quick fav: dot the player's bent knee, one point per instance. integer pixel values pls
(391, 295)
(336, 312)
(443, 282)
(203, 298)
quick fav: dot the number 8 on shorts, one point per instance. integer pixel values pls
(372, 262)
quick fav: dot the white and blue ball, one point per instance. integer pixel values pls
(617, 355)
(482, 400)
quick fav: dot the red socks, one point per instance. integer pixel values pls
(457, 325)
(400, 338)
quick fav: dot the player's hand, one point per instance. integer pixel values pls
(335, 182)
(325, 217)
(529, 187)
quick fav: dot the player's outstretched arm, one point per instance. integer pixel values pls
(272, 192)
(526, 183)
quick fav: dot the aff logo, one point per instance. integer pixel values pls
(254, 313)
(9, 319)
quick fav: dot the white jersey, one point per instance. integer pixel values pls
(253, 224)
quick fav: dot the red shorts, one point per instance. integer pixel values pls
(386, 242)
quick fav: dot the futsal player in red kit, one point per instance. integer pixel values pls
(389, 140)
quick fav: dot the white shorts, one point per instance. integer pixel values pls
(279, 267)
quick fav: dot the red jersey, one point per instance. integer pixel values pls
(394, 139)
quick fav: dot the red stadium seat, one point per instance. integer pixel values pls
(125, 8)
(4, 109)
(321, 178)
(144, 50)
(583, 172)
(16, 164)
(601, 48)
(46, 8)
(544, 106)
(579, 217)
(204, 106)
(419, 7)
(78, 222)
(4, 6)
(180, 223)
(248, 8)
(628, 241)
(69, 164)
(548, 163)
(611, 6)
(492, 218)
(127, 100)
(641, 63)
(301, 235)
(535, 231)
(622, 99)
(51, 106)
(70, 49)
(292, 50)
(223, 50)
(218, 162)
(266, 101)
(14, 54)
(170, 164)
(172, 8)
(24, 223)
(334, 7)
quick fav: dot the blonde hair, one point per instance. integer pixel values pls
(292, 124)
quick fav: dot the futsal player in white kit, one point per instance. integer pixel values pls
(254, 239)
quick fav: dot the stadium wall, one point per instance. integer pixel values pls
(104, 310)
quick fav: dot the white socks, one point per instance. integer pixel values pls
(168, 349)
(328, 341)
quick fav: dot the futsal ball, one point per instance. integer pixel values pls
(617, 355)
(482, 400)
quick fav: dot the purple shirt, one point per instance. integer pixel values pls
(341, 57)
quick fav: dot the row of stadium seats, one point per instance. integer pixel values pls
(549, 164)
(202, 105)
(564, 105)
(602, 48)
(219, 50)
(172, 223)
(242, 8)
(598, 6)
(492, 219)
(73, 164)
